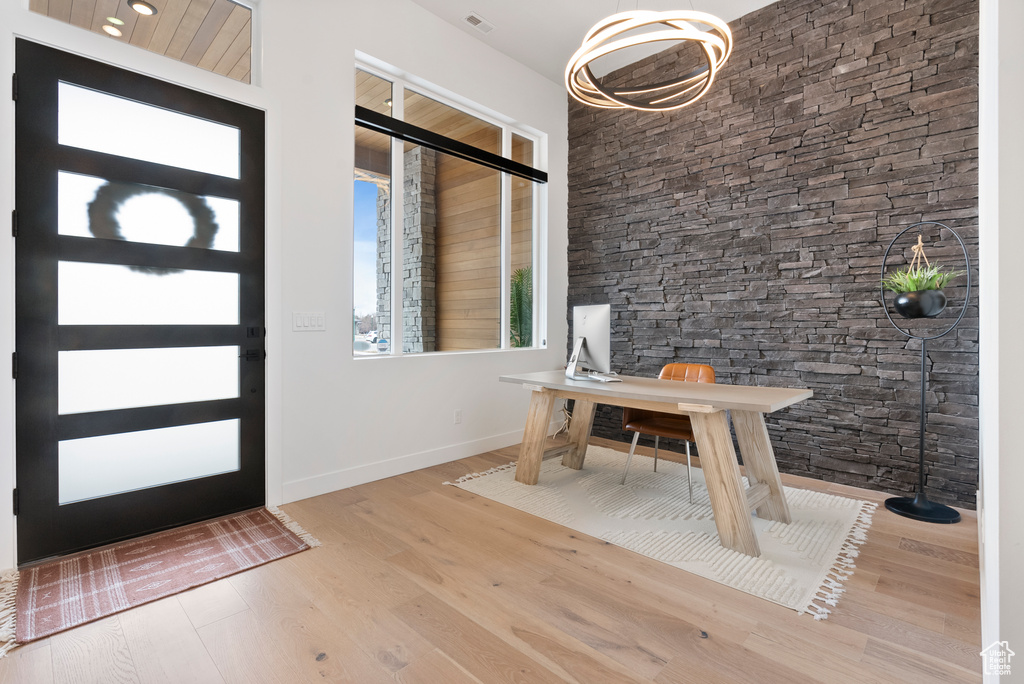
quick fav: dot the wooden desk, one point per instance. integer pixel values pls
(705, 403)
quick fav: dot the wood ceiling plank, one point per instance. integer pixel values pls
(131, 21)
(170, 17)
(207, 32)
(244, 65)
(60, 9)
(239, 52)
(145, 27)
(450, 122)
(372, 91)
(373, 160)
(81, 13)
(120, 11)
(212, 34)
(373, 140)
(103, 9)
(187, 27)
(237, 21)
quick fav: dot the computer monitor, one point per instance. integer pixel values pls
(591, 334)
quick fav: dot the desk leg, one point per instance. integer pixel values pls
(579, 433)
(531, 452)
(725, 488)
(758, 457)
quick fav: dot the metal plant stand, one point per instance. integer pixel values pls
(919, 507)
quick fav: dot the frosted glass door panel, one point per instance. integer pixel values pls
(91, 207)
(109, 379)
(93, 467)
(108, 294)
(105, 123)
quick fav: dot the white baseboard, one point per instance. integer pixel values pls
(296, 490)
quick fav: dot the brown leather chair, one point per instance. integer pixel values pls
(668, 425)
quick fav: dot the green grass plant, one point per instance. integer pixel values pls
(521, 310)
(915, 279)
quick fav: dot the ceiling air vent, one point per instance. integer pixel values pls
(479, 23)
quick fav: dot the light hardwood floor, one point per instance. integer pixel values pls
(420, 583)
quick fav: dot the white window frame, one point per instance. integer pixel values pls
(399, 85)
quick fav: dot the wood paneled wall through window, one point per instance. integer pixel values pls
(469, 246)
(522, 207)
(469, 251)
(468, 255)
(469, 242)
(215, 35)
(522, 223)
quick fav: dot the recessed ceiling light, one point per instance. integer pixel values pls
(142, 7)
(388, 102)
(112, 30)
(115, 21)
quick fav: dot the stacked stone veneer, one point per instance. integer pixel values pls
(383, 263)
(419, 259)
(747, 231)
(419, 249)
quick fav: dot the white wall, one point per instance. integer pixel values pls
(335, 421)
(349, 420)
(1001, 506)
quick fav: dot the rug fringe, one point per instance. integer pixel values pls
(832, 586)
(8, 611)
(293, 526)
(492, 471)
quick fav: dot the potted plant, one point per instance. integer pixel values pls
(521, 309)
(918, 287)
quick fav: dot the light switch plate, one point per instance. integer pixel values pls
(309, 321)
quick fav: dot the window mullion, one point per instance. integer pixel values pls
(397, 221)
(506, 243)
(540, 305)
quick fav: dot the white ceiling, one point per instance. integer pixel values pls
(543, 34)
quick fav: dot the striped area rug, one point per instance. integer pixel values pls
(51, 597)
(802, 565)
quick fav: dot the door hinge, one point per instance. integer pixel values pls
(14, 223)
(254, 354)
(14, 365)
(15, 496)
(14, 87)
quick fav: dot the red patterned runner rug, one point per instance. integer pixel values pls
(67, 592)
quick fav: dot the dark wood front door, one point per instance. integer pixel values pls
(139, 304)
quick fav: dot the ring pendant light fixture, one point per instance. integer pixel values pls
(608, 36)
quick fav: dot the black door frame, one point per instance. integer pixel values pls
(45, 528)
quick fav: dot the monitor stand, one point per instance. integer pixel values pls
(572, 372)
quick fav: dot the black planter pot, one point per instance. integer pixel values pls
(920, 304)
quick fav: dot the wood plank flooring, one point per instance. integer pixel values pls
(419, 583)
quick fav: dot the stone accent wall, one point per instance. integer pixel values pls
(419, 260)
(383, 264)
(747, 231)
(419, 263)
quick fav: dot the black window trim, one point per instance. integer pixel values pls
(382, 123)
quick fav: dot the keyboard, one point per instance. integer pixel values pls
(601, 377)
